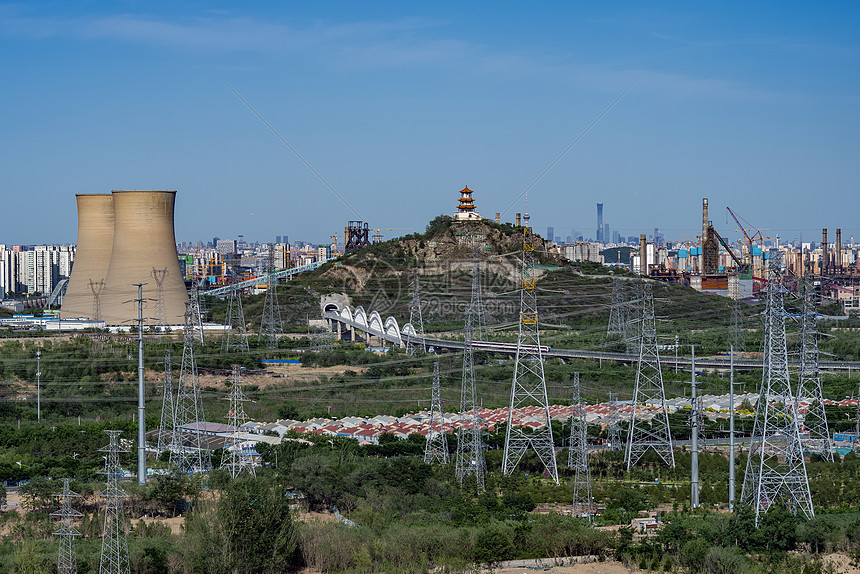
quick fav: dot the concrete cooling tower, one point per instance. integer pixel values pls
(92, 256)
(144, 251)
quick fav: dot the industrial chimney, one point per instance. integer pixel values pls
(837, 257)
(704, 235)
(825, 262)
(518, 220)
(144, 242)
(643, 254)
(92, 256)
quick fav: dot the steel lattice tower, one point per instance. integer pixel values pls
(737, 329)
(114, 556)
(578, 456)
(436, 447)
(67, 562)
(653, 434)
(159, 275)
(617, 319)
(235, 335)
(415, 319)
(188, 453)
(271, 325)
(479, 332)
(196, 309)
(816, 436)
(470, 441)
(168, 414)
(529, 384)
(614, 432)
(233, 460)
(632, 296)
(97, 288)
(775, 467)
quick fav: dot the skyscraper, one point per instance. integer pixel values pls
(599, 222)
(550, 233)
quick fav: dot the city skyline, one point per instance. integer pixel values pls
(398, 107)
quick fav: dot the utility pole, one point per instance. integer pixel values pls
(694, 467)
(38, 385)
(67, 560)
(732, 428)
(141, 405)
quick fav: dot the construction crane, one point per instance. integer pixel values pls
(379, 236)
(749, 239)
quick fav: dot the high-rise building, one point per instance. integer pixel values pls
(605, 236)
(550, 233)
(599, 237)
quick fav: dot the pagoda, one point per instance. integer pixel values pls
(466, 208)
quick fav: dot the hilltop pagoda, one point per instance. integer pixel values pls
(466, 207)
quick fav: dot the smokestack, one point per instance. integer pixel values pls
(704, 235)
(837, 257)
(518, 220)
(643, 254)
(143, 241)
(92, 255)
(825, 263)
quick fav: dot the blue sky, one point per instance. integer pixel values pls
(398, 105)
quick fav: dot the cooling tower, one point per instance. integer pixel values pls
(143, 244)
(92, 256)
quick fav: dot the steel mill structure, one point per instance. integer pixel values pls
(122, 238)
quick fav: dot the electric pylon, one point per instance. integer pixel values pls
(97, 288)
(165, 428)
(196, 308)
(271, 325)
(614, 432)
(529, 384)
(578, 456)
(775, 467)
(736, 335)
(159, 275)
(188, 451)
(816, 436)
(114, 555)
(470, 440)
(415, 319)
(479, 332)
(617, 307)
(67, 561)
(632, 297)
(436, 447)
(233, 460)
(235, 335)
(648, 391)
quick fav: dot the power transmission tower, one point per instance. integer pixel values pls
(415, 319)
(631, 315)
(188, 453)
(736, 334)
(196, 309)
(97, 288)
(775, 467)
(648, 391)
(436, 447)
(529, 384)
(165, 428)
(614, 433)
(617, 307)
(67, 561)
(159, 275)
(233, 459)
(271, 325)
(578, 456)
(235, 335)
(114, 556)
(816, 437)
(470, 440)
(479, 333)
